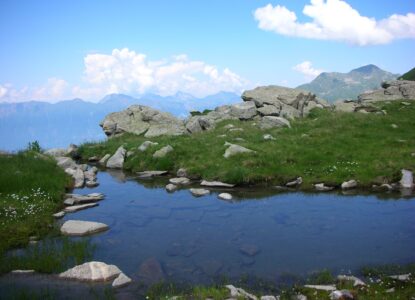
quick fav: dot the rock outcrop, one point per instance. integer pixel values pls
(393, 90)
(139, 119)
(92, 271)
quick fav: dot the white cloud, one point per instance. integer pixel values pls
(335, 20)
(307, 69)
(53, 90)
(125, 71)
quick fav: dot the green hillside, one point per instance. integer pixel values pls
(410, 75)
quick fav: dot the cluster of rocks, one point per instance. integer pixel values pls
(82, 174)
(397, 90)
(270, 106)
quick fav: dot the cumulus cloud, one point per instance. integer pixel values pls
(335, 20)
(307, 69)
(125, 71)
(53, 90)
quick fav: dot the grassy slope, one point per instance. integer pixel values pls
(31, 189)
(410, 75)
(325, 147)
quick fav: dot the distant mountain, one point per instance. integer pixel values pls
(341, 86)
(77, 121)
(410, 75)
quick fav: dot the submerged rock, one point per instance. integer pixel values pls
(151, 272)
(92, 271)
(81, 228)
(248, 249)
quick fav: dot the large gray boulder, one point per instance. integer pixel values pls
(139, 119)
(269, 122)
(117, 160)
(393, 90)
(244, 111)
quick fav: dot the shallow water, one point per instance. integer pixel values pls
(198, 239)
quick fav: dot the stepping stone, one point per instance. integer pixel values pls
(75, 208)
(59, 215)
(328, 288)
(179, 181)
(149, 174)
(216, 184)
(171, 187)
(82, 228)
(199, 192)
(92, 271)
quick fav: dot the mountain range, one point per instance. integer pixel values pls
(343, 86)
(76, 121)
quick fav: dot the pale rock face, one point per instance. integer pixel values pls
(82, 228)
(171, 187)
(65, 162)
(56, 152)
(117, 160)
(78, 176)
(347, 185)
(407, 180)
(163, 151)
(121, 280)
(104, 159)
(236, 149)
(225, 196)
(76, 208)
(199, 192)
(396, 90)
(179, 181)
(269, 122)
(244, 110)
(92, 271)
(216, 184)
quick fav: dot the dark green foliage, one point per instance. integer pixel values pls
(34, 146)
(410, 75)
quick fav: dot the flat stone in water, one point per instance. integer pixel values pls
(199, 192)
(179, 181)
(92, 271)
(75, 208)
(22, 272)
(59, 215)
(248, 249)
(150, 271)
(149, 174)
(216, 184)
(328, 288)
(225, 196)
(210, 267)
(81, 228)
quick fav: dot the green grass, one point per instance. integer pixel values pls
(31, 190)
(326, 146)
(410, 75)
(49, 256)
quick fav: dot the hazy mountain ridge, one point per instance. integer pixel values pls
(76, 121)
(333, 86)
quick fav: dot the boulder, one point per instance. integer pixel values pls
(56, 152)
(171, 187)
(181, 172)
(244, 111)
(347, 185)
(345, 106)
(82, 228)
(199, 123)
(393, 90)
(295, 183)
(236, 149)
(117, 160)
(92, 271)
(321, 187)
(289, 101)
(407, 180)
(145, 145)
(179, 181)
(78, 176)
(104, 159)
(121, 280)
(269, 110)
(199, 192)
(65, 162)
(139, 119)
(225, 196)
(269, 122)
(163, 151)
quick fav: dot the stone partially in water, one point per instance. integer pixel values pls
(151, 272)
(171, 188)
(351, 184)
(117, 160)
(59, 215)
(225, 196)
(149, 174)
(81, 228)
(179, 181)
(121, 280)
(92, 271)
(75, 208)
(216, 184)
(407, 180)
(199, 192)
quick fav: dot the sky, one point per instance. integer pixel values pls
(56, 50)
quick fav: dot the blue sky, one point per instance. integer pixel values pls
(52, 50)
